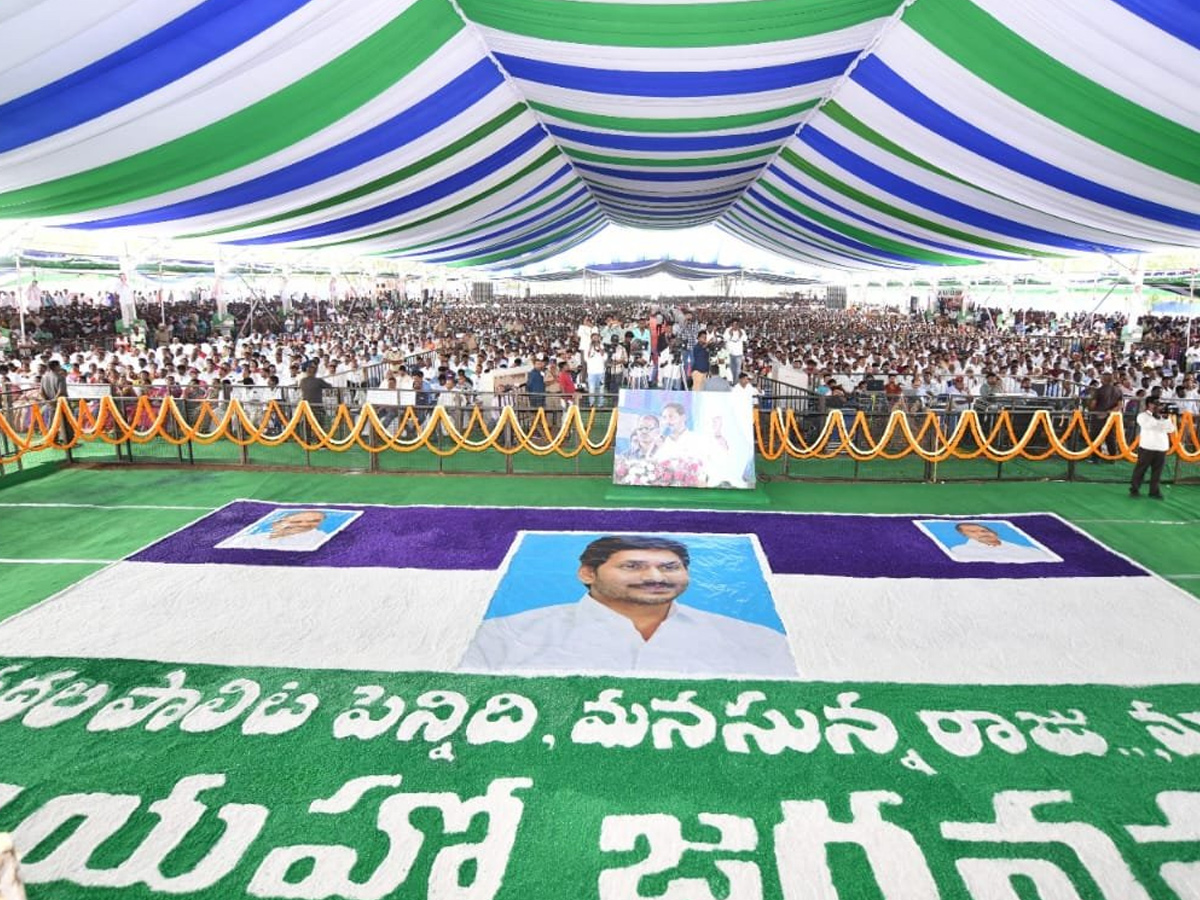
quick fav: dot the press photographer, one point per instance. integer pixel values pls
(1155, 427)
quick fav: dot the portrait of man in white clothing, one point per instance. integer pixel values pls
(701, 440)
(296, 530)
(634, 607)
(972, 541)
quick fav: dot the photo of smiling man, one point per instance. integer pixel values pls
(973, 541)
(296, 530)
(630, 619)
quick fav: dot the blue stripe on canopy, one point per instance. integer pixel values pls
(656, 175)
(1180, 18)
(789, 236)
(553, 249)
(692, 271)
(556, 225)
(167, 54)
(560, 173)
(872, 223)
(462, 179)
(567, 239)
(438, 108)
(137, 122)
(786, 235)
(829, 234)
(939, 203)
(884, 83)
(677, 84)
(670, 144)
(602, 191)
(662, 213)
(484, 236)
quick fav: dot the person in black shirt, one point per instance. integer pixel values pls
(700, 361)
(1107, 399)
(312, 391)
(535, 383)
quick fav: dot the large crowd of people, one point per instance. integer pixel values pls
(592, 347)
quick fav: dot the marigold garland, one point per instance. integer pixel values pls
(938, 437)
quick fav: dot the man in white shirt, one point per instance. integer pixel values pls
(584, 332)
(745, 387)
(1154, 440)
(628, 621)
(597, 365)
(983, 544)
(735, 345)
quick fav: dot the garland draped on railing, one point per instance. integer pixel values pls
(929, 436)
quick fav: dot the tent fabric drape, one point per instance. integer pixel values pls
(856, 134)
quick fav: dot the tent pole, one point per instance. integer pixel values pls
(21, 298)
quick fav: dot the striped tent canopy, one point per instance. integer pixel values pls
(854, 134)
(684, 271)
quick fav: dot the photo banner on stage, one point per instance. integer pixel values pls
(691, 439)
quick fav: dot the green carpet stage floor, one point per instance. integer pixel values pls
(205, 722)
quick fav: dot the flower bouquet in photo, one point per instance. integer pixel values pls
(658, 473)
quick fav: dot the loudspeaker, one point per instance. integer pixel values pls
(835, 297)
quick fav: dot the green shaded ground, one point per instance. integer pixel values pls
(1164, 536)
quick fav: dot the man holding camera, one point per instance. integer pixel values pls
(1155, 429)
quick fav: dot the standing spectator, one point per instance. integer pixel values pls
(1105, 400)
(735, 346)
(566, 382)
(425, 398)
(312, 392)
(535, 384)
(53, 385)
(596, 363)
(687, 329)
(1155, 430)
(53, 382)
(700, 361)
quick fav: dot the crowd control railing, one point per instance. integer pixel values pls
(518, 425)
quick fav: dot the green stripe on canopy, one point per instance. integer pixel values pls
(669, 162)
(379, 184)
(1008, 62)
(1082, 131)
(735, 224)
(820, 243)
(489, 258)
(850, 123)
(551, 155)
(870, 238)
(286, 117)
(490, 223)
(673, 24)
(853, 193)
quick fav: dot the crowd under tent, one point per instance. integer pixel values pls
(853, 134)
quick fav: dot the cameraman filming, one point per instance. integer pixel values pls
(1155, 429)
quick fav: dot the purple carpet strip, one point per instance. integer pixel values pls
(454, 538)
